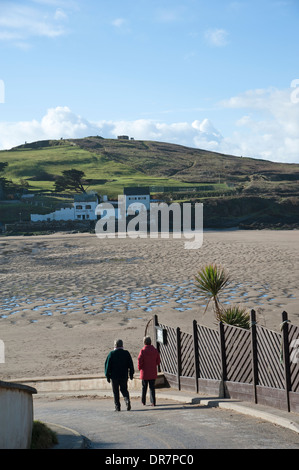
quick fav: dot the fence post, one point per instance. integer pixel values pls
(195, 350)
(286, 356)
(179, 358)
(155, 323)
(223, 359)
(157, 345)
(254, 354)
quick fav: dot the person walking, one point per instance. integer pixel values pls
(148, 360)
(118, 366)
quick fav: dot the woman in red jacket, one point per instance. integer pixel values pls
(148, 360)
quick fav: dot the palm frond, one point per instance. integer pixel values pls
(211, 280)
(236, 316)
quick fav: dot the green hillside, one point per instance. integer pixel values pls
(172, 171)
(183, 163)
(111, 164)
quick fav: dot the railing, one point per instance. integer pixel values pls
(258, 365)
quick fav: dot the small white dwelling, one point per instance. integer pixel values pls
(135, 196)
(84, 208)
(108, 209)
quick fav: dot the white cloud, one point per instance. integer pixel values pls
(270, 127)
(60, 15)
(58, 122)
(118, 22)
(217, 37)
(22, 23)
(121, 25)
(62, 122)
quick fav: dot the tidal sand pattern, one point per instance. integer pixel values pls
(65, 297)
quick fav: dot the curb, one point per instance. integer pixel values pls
(276, 417)
(264, 415)
(67, 438)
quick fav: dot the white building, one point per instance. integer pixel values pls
(135, 197)
(138, 199)
(84, 208)
(108, 209)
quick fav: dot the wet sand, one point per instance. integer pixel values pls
(65, 297)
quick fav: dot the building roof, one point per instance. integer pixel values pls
(85, 197)
(134, 191)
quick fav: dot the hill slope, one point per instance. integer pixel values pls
(256, 191)
(184, 163)
(143, 162)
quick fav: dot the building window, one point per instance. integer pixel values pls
(78, 216)
(88, 206)
(79, 207)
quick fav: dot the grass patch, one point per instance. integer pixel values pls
(42, 436)
(112, 164)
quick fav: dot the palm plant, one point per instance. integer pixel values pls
(210, 281)
(236, 316)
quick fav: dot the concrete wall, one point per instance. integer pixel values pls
(55, 226)
(80, 383)
(16, 415)
(67, 213)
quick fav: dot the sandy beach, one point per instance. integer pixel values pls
(65, 297)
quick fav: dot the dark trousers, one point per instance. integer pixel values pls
(122, 385)
(151, 384)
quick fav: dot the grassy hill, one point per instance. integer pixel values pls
(112, 164)
(183, 163)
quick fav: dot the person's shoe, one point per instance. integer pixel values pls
(117, 408)
(128, 405)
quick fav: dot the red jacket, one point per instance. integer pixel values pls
(148, 360)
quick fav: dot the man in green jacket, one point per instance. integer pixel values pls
(118, 366)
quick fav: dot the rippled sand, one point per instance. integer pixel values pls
(65, 298)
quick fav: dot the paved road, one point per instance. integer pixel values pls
(169, 425)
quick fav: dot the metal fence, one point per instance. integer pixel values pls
(258, 365)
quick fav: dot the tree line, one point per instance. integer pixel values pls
(71, 180)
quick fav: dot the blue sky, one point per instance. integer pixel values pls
(221, 75)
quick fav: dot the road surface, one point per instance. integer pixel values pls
(169, 425)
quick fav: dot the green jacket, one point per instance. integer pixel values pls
(119, 365)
